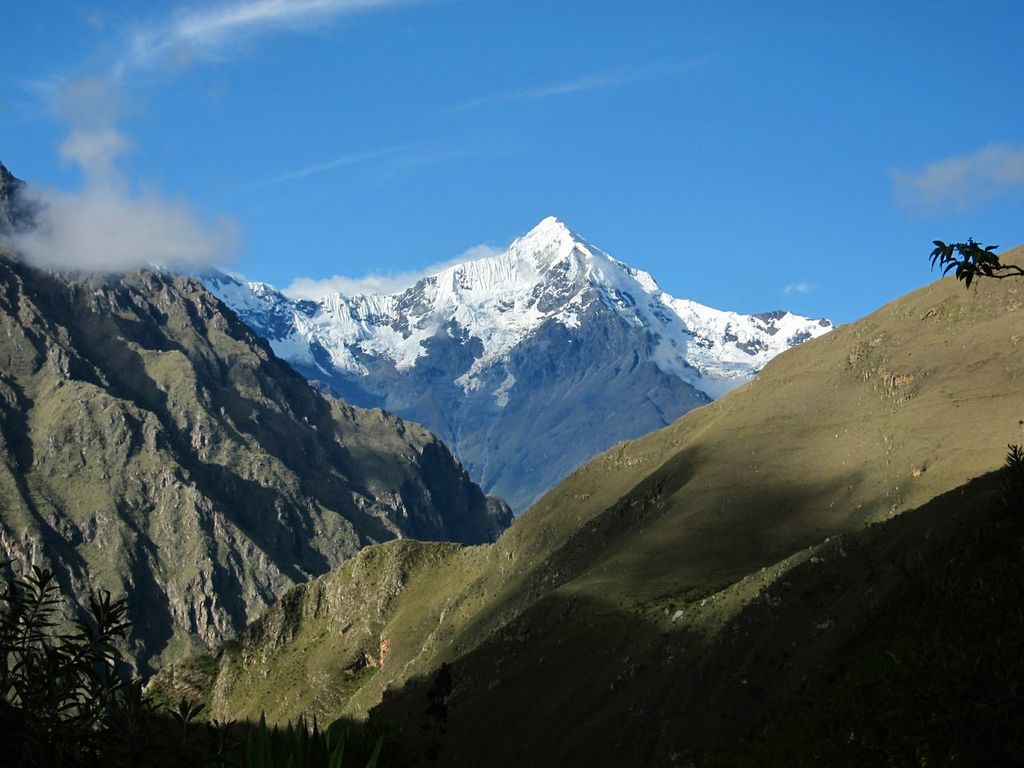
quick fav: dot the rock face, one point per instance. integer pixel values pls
(15, 212)
(152, 445)
(528, 363)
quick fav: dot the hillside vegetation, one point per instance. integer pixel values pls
(152, 445)
(670, 598)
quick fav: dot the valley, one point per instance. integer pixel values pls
(679, 599)
(511, 384)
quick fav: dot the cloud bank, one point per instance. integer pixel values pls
(961, 182)
(316, 289)
(102, 230)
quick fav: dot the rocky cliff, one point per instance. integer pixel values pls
(152, 445)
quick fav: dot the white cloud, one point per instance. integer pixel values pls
(105, 227)
(101, 229)
(210, 31)
(792, 288)
(95, 152)
(963, 181)
(310, 288)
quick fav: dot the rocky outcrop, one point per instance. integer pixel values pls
(15, 211)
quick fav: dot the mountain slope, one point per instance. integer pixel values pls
(153, 445)
(15, 212)
(509, 358)
(607, 620)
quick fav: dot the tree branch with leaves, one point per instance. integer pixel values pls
(971, 260)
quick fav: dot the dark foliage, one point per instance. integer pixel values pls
(1013, 479)
(66, 699)
(60, 687)
(936, 678)
(971, 260)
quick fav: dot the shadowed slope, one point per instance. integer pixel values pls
(578, 597)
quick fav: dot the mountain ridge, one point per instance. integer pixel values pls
(153, 445)
(480, 352)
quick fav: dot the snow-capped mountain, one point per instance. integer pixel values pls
(528, 362)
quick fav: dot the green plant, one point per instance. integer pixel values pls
(971, 260)
(298, 746)
(59, 686)
(66, 698)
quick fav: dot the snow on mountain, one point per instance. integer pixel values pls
(548, 274)
(482, 351)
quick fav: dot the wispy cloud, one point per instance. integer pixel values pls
(963, 181)
(395, 162)
(375, 282)
(210, 31)
(792, 288)
(580, 85)
(323, 167)
(591, 83)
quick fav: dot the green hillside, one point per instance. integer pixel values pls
(669, 596)
(152, 445)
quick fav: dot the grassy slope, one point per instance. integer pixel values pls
(152, 445)
(652, 550)
(923, 665)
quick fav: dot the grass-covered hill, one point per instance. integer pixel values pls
(152, 445)
(698, 594)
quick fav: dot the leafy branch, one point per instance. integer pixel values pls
(971, 260)
(67, 699)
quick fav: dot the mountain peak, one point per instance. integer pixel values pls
(548, 224)
(550, 230)
(543, 330)
(8, 181)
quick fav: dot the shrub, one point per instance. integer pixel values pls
(67, 699)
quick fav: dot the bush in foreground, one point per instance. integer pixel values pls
(68, 699)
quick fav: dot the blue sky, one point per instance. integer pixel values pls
(749, 155)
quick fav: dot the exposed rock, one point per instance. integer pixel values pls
(152, 445)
